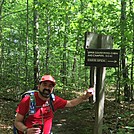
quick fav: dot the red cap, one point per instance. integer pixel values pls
(48, 78)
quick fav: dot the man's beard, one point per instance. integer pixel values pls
(45, 93)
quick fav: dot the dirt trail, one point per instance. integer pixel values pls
(78, 120)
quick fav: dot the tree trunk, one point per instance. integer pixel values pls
(26, 49)
(75, 63)
(123, 50)
(35, 43)
(1, 44)
(64, 68)
(132, 60)
(48, 47)
(64, 80)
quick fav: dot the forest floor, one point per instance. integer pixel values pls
(118, 118)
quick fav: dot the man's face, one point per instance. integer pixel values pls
(45, 88)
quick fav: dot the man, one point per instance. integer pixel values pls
(41, 121)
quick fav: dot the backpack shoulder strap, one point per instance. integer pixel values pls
(32, 102)
(28, 93)
(52, 99)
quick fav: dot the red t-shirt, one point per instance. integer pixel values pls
(43, 111)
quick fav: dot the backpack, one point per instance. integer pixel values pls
(32, 107)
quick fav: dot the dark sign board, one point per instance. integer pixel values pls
(102, 57)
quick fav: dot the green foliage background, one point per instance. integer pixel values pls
(62, 25)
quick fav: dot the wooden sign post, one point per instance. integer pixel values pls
(99, 54)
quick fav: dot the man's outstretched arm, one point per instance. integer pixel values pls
(76, 101)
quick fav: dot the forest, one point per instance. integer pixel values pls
(40, 37)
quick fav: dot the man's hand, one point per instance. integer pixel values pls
(33, 130)
(76, 101)
(88, 93)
